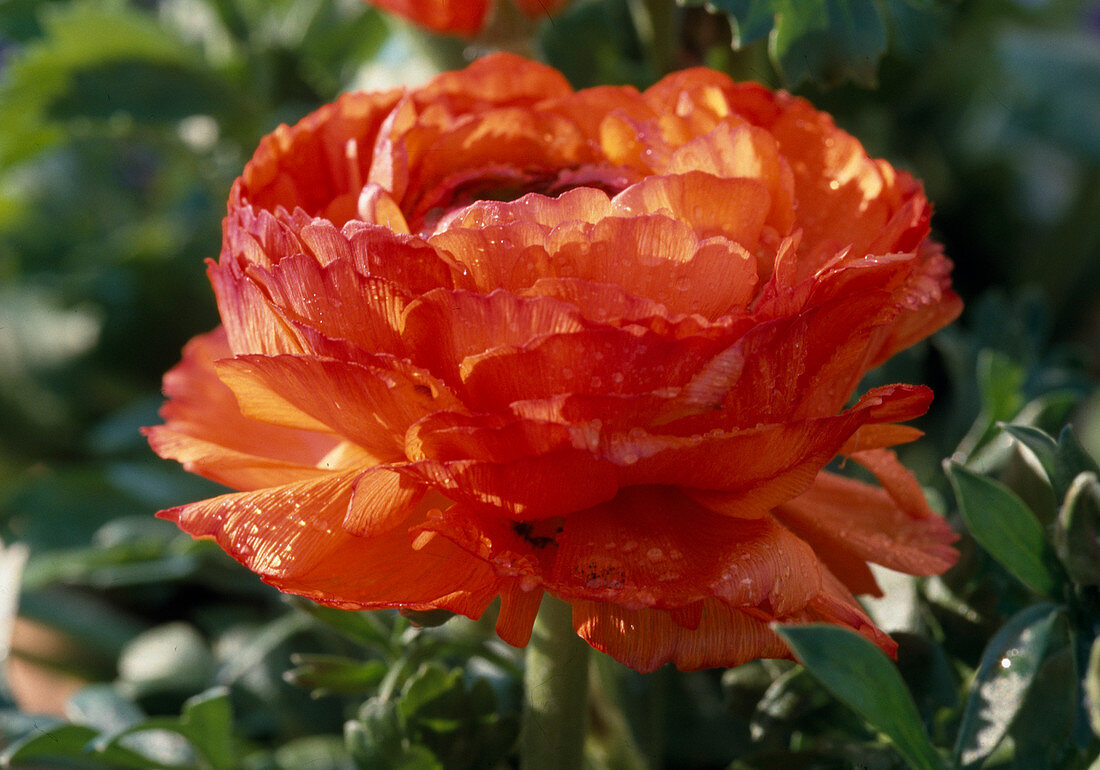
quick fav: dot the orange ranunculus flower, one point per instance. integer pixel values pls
(491, 337)
(461, 17)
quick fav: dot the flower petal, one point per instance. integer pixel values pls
(291, 537)
(205, 430)
(865, 521)
(646, 639)
(368, 405)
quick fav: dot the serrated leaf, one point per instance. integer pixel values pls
(1004, 526)
(860, 675)
(1008, 668)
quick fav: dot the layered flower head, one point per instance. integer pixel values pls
(462, 17)
(493, 337)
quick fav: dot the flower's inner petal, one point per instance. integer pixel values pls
(711, 205)
(443, 328)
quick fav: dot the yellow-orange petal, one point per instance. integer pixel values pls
(370, 406)
(734, 208)
(442, 328)
(338, 301)
(205, 430)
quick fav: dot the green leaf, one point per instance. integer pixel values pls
(74, 67)
(858, 674)
(69, 742)
(1062, 460)
(1077, 531)
(431, 682)
(827, 41)
(364, 628)
(1000, 389)
(335, 674)
(1005, 527)
(315, 752)
(377, 739)
(848, 48)
(206, 721)
(1092, 687)
(1008, 669)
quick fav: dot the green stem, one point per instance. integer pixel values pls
(555, 683)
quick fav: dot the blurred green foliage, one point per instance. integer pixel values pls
(123, 125)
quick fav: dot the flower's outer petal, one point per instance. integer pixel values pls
(583, 204)
(252, 323)
(845, 199)
(660, 258)
(205, 430)
(865, 522)
(613, 305)
(646, 639)
(498, 79)
(517, 614)
(745, 472)
(380, 500)
(291, 537)
(836, 605)
(368, 405)
(653, 546)
(337, 301)
(494, 438)
(927, 301)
